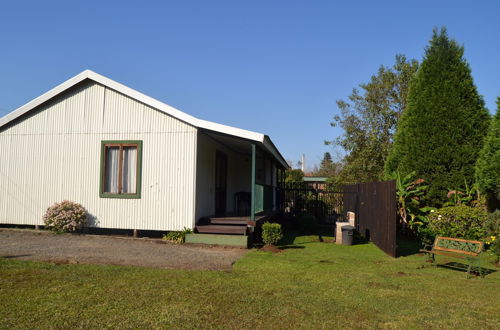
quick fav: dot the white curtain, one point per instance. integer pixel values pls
(111, 177)
(129, 170)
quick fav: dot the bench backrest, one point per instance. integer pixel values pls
(458, 245)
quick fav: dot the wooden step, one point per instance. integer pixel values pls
(229, 221)
(221, 229)
(233, 220)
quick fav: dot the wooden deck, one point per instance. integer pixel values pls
(230, 225)
(230, 220)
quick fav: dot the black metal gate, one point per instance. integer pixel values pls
(325, 203)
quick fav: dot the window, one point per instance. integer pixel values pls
(121, 169)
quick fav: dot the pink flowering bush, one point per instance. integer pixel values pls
(65, 217)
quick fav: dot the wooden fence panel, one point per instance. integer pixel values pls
(375, 210)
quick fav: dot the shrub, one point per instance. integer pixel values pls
(492, 225)
(425, 234)
(271, 233)
(65, 216)
(493, 234)
(177, 237)
(459, 221)
(307, 223)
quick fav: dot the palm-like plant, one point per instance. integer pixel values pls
(470, 196)
(409, 192)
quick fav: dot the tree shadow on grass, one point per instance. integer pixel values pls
(458, 266)
(407, 246)
(325, 231)
(358, 239)
(289, 240)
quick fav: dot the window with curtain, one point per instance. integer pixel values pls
(121, 169)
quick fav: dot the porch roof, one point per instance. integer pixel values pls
(244, 146)
(258, 138)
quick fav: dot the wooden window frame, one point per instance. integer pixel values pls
(121, 144)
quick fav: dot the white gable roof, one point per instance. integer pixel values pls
(262, 139)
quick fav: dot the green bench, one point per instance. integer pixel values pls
(457, 248)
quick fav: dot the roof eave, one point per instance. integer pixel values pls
(132, 93)
(44, 97)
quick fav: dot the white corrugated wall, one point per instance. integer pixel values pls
(54, 154)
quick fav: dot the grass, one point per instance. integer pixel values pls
(310, 284)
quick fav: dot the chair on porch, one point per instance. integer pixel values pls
(242, 203)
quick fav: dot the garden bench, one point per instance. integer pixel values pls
(458, 248)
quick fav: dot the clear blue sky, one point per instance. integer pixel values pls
(276, 67)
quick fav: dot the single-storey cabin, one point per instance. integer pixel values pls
(315, 182)
(133, 162)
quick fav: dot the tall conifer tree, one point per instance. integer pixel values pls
(488, 164)
(442, 129)
(327, 167)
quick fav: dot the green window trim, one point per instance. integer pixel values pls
(137, 193)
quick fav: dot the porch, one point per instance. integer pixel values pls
(236, 184)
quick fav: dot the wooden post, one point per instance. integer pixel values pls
(136, 233)
(252, 182)
(37, 227)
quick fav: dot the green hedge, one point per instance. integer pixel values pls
(459, 221)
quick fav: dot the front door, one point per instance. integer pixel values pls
(220, 183)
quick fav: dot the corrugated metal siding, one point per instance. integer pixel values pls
(54, 154)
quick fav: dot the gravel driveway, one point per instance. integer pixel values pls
(92, 249)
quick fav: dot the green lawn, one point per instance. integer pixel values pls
(309, 285)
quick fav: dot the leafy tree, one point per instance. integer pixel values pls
(488, 164)
(442, 129)
(294, 175)
(369, 120)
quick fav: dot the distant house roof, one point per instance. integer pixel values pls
(262, 139)
(314, 179)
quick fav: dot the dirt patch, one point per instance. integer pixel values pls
(271, 248)
(400, 274)
(93, 249)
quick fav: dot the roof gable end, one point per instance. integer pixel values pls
(167, 109)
